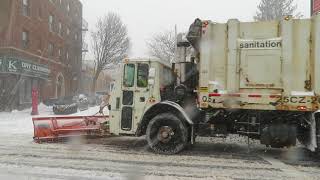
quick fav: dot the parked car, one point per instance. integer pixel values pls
(65, 105)
(50, 101)
(99, 95)
(83, 102)
(92, 99)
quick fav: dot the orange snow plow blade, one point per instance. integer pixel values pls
(55, 128)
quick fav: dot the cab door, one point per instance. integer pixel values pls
(127, 103)
(135, 94)
(141, 93)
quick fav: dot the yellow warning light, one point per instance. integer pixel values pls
(287, 18)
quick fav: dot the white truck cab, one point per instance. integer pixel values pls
(136, 90)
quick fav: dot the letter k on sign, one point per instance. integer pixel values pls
(12, 65)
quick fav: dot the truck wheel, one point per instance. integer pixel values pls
(166, 134)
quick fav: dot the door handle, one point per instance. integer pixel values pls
(142, 99)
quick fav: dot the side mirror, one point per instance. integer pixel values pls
(152, 73)
(151, 82)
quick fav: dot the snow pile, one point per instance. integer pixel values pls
(16, 122)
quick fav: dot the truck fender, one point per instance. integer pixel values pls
(159, 108)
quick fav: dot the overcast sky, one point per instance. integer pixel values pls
(147, 17)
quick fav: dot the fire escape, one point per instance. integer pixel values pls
(84, 47)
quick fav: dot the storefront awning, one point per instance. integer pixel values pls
(20, 66)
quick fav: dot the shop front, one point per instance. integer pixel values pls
(17, 79)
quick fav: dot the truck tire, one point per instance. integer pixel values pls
(167, 134)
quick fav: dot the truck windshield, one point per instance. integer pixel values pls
(128, 79)
(142, 76)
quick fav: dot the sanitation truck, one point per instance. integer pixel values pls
(256, 79)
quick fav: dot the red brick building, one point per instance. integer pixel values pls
(40, 47)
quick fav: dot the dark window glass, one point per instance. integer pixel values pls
(129, 71)
(142, 76)
(127, 98)
(126, 118)
(118, 103)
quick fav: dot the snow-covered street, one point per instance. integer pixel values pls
(130, 158)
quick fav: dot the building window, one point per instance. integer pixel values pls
(25, 39)
(26, 7)
(68, 31)
(39, 44)
(68, 7)
(39, 13)
(50, 23)
(60, 53)
(60, 29)
(50, 49)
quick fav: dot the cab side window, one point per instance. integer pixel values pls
(128, 78)
(167, 77)
(142, 75)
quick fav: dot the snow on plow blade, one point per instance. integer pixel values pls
(55, 128)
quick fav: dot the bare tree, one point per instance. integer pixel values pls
(111, 44)
(276, 9)
(162, 46)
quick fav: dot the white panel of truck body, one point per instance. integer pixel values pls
(315, 56)
(262, 58)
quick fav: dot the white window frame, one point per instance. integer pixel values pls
(51, 49)
(26, 7)
(60, 29)
(25, 39)
(68, 7)
(51, 22)
(60, 53)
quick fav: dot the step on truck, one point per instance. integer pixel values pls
(256, 79)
